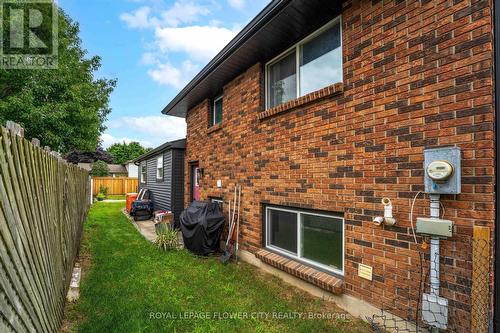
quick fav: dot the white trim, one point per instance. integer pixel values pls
(297, 46)
(213, 109)
(298, 256)
(145, 166)
(159, 166)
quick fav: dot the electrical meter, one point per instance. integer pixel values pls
(439, 170)
(442, 170)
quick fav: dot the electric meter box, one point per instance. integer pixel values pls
(442, 170)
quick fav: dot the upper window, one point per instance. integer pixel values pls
(312, 64)
(159, 168)
(315, 238)
(143, 172)
(216, 111)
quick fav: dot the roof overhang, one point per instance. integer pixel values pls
(177, 144)
(278, 26)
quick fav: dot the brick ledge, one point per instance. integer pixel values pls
(326, 92)
(320, 279)
(214, 128)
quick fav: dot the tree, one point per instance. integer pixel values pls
(123, 152)
(77, 156)
(99, 169)
(65, 107)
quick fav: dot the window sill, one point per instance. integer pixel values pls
(334, 89)
(214, 128)
(326, 281)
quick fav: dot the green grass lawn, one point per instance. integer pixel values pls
(128, 283)
(115, 197)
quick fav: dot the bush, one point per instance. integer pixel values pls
(100, 196)
(99, 169)
(104, 190)
(167, 239)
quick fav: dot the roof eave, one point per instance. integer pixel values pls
(264, 16)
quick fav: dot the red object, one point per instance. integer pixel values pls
(131, 197)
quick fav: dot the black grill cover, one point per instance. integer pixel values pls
(201, 225)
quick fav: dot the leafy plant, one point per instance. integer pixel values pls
(99, 169)
(104, 190)
(67, 107)
(124, 152)
(101, 196)
(167, 239)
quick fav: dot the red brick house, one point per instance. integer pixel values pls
(320, 109)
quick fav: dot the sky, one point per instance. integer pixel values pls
(154, 48)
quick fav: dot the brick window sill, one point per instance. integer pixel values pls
(334, 89)
(214, 128)
(320, 279)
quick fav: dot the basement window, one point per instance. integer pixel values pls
(143, 173)
(159, 168)
(310, 65)
(314, 238)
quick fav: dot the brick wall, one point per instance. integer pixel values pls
(417, 74)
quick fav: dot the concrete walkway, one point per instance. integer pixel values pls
(146, 228)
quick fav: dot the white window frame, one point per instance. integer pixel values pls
(298, 256)
(213, 110)
(296, 47)
(144, 172)
(159, 165)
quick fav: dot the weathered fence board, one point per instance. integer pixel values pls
(43, 204)
(116, 186)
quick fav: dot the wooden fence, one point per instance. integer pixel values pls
(43, 204)
(116, 186)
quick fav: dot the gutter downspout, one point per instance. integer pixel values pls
(496, 65)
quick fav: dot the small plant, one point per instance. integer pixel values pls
(104, 190)
(101, 196)
(166, 239)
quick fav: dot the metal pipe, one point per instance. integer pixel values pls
(434, 255)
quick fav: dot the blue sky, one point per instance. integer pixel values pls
(153, 48)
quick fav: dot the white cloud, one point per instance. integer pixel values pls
(169, 75)
(199, 42)
(181, 12)
(139, 18)
(238, 4)
(108, 140)
(158, 129)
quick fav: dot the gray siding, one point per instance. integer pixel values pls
(161, 189)
(177, 182)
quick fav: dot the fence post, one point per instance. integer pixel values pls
(91, 189)
(480, 295)
(15, 128)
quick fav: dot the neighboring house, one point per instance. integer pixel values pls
(319, 109)
(132, 169)
(161, 170)
(115, 170)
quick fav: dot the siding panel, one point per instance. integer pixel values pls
(161, 189)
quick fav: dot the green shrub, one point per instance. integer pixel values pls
(101, 196)
(166, 239)
(104, 190)
(99, 169)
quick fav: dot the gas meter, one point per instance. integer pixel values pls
(442, 170)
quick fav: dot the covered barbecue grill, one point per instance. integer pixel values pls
(201, 225)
